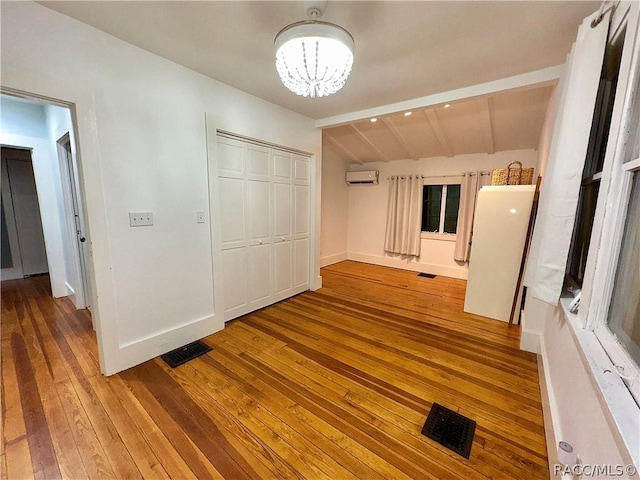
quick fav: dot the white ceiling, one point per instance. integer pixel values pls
(404, 50)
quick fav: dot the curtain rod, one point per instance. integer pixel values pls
(441, 176)
(604, 6)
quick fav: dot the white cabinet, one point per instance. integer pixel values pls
(264, 211)
(499, 233)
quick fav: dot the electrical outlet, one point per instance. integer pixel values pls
(200, 216)
(140, 219)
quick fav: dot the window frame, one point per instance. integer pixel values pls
(599, 346)
(445, 181)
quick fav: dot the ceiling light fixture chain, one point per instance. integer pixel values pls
(323, 73)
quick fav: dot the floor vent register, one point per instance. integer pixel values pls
(427, 275)
(450, 429)
(185, 353)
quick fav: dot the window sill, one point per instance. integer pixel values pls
(623, 411)
(443, 237)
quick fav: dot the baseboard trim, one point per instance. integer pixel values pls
(530, 341)
(70, 290)
(331, 259)
(546, 396)
(139, 351)
(415, 266)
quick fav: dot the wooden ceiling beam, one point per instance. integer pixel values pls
(342, 149)
(432, 116)
(486, 125)
(388, 122)
(371, 145)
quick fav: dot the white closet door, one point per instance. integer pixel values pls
(264, 201)
(259, 226)
(301, 221)
(234, 266)
(231, 199)
(282, 225)
(301, 264)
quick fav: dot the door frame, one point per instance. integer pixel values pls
(74, 213)
(82, 105)
(214, 126)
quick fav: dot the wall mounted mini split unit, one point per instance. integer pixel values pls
(367, 177)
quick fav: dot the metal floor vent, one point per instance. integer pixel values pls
(185, 353)
(450, 429)
(427, 275)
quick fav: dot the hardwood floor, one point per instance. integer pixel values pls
(330, 384)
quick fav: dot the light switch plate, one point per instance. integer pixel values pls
(140, 219)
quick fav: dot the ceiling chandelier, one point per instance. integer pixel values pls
(314, 58)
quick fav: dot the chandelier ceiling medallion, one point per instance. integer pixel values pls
(314, 58)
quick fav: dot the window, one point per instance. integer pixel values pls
(594, 162)
(613, 311)
(440, 205)
(624, 312)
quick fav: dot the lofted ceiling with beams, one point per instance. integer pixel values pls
(503, 121)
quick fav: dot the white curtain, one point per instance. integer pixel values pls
(404, 215)
(471, 184)
(559, 194)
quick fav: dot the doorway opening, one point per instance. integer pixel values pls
(23, 248)
(43, 224)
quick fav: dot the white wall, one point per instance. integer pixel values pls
(25, 125)
(368, 210)
(142, 141)
(335, 206)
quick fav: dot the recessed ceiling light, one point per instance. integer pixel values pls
(447, 105)
(373, 120)
(406, 114)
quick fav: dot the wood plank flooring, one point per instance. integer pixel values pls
(334, 384)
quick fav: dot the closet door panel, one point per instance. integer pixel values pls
(282, 210)
(302, 167)
(232, 212)
(258, 209)
(301, 209)
(282, 268)
(234, 265)
(281, 166)
(257, 161)
(230, 157)
(260, 259)
(301, 262)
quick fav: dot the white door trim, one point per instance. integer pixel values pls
(74, 219)
(21, 83)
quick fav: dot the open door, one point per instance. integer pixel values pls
(75, 221)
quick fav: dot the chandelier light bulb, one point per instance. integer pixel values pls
(314, 58)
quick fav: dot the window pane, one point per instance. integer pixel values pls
(582, 231)
(451, 209)
(431, 204)
(624, 313)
